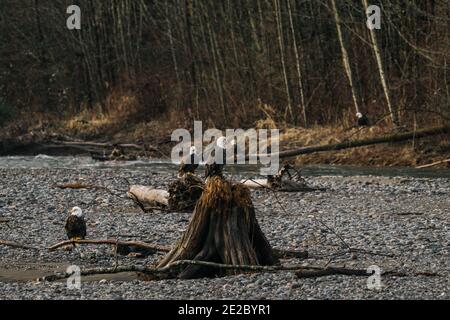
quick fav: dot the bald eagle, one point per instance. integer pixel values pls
(363, 121)
(215, 167)
(76, 225)
(190, 164)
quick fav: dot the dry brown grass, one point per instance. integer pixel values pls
(410, 153)
(127, 121)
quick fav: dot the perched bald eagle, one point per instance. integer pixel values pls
(214, 168)
(363, 121)
(190, 164)
(76, 225)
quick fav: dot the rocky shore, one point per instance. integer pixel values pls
(397, 223)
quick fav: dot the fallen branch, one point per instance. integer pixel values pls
(95, 271)
(16, 245)
(433, 164)
(366, 142)
(329, 271)
(283, 254)
(78, 186)
(167, 271)
(170, 270)
(113, 242)
(99, 144)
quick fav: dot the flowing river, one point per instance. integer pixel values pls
(165, 166)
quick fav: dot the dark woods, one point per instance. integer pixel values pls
(233, 61)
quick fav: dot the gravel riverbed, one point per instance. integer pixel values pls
(407, 218)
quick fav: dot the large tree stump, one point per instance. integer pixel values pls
(222, 229)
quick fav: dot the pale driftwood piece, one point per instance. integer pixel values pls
(149, 196)
(113, 242)
(430, 165)
(16, 245)
(286, 185)
(255, 183)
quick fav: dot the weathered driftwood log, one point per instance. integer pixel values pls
(286, 185)
(222, 229)
(148, 196)
(182, 195)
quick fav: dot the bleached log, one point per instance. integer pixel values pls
(255, 183)
(149, 196)
(286, 185)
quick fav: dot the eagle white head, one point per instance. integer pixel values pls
(192, 150)
(222, 142)
(359, 115)
(76, 211)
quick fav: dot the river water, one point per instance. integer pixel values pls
(165, 166)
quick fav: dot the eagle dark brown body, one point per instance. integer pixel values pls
(75, 228)
(189, 164)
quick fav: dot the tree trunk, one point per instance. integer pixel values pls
(223, 229)
(345, 58)
(297, 64)
(278, 20)
(384, 84)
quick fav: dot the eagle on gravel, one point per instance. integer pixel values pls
(190, 164)
(76, 225)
